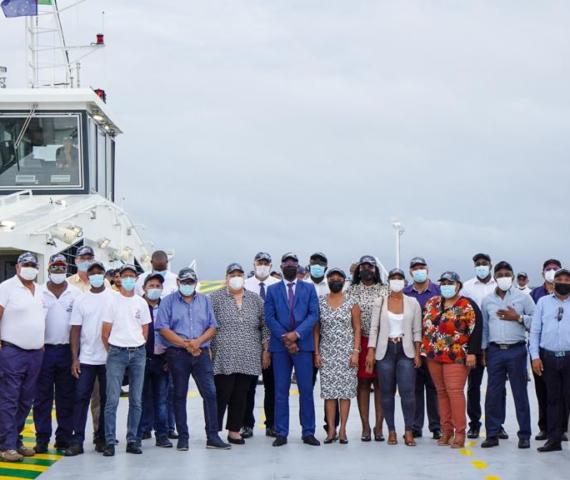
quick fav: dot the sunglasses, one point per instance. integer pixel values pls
(560, 313)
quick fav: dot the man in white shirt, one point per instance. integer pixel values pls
(477, 288)
(22, 329)
(522, 283)
(159, 262)
(88, 355)
(318, 264)
(125, 331)
(259, 283)
(55, 375)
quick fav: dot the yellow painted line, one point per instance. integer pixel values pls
(47, 456)
(471, 444)
(24, 466)
(492, 477)
(193, 394)
(466, 452)
(294, 391)
(479, 464)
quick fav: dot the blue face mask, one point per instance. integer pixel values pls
(482, 271)
(83, 266)
(153, 293)
(128, 283)
(187, 290)
(318, 271)
(96, 280)
(448, 291)
(420, 276)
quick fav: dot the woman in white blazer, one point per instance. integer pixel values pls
(394, 347)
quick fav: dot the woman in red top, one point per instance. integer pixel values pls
(452, 338)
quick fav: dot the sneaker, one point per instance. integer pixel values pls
(163, 443)
(109, 450)
(41, 447)
(74, 450)
(182, 445)
(217, 443)
(11, 456)
(26, 451)
(134, 447)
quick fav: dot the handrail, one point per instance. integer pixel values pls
(16, 196)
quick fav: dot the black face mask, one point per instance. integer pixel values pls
(562, 288)
(336, 286)
(366, 275)
(289, 273)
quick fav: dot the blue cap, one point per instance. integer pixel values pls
(450, 276)
(233, 267)
(396, 271)
(289, 255)
(367, 259)
(417, 261)
(187, 273)
(262, 256)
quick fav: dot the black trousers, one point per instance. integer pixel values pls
(557, 379)
(268, 400)
(542, 398)
(424, 382)
(231, 395)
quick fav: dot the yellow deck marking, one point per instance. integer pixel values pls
(24, 466)
(466, 452)
(294, 391)
(479, 464)
(193, 394)
(47, 456)
(492, 477)
(471, 444)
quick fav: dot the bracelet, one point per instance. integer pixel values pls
(356, 350)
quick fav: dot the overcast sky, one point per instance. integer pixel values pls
(309, 125)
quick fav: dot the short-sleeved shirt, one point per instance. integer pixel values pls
(431, 291)
(24, 319)
(88, 312)
(127, 315)
(59, 314)
(187, 320)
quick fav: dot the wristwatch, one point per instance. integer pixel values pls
(520, 319)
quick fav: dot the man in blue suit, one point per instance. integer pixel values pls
(291, 312)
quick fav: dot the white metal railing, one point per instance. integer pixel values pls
(14, 197)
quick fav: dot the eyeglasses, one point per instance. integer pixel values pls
(560, 313)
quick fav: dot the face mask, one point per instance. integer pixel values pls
(562, 288)
(448, 291)
(482, 271)
(420, 276)
(289, 273)
(29, 273)
(57, 278)
(83, 266)
(187, 290)
(336, 286)
(160, 272)
(505, 283)
(236, 283)
(366, 275)
(153, 293)
(317, 271)
(549, 276)
(397, 285)
(128, 283)
(262, 271)
(97, 280)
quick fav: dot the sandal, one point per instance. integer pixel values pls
(378, 437)
(409, 439)
(365, 437)
(392, 438)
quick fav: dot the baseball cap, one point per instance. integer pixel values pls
(128, 268)
(262, 256)
(417, 261)
(396, 271)
(503, 265)
(289, 255)
(232, 267)
(338, 271)
(28, 257)
(450, 276)
(85, 250)
(96, 264)
(58, 259)
(187, 273)
(319, 255)
(367, 259)
(481, 256)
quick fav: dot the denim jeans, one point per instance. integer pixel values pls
(397, 369)
(118, 360)
(154, 398)
(182, 365)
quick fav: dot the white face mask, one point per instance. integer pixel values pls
(236, 283)
(57, 278)
(29, 273)
(505, 283)
(549, 275)
(397, 285)
(262, 271)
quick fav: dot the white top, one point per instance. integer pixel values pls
(59, 314)
(476, 290)
(168, 286)
(395, 320)
(24, 319)
(252, 283)
(88, 312)
(526, 289)
(322, 288)
(287, 282)
(127, 315)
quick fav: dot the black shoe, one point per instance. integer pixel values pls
(236, 441)
(73, 450)
(328, 440)
(100, 446)
(109, 451)
(473, 433)
(246, 432)
(134, 447)
(550, 447)
(503, 435)
(173, 435)
(564, 437)
(279, 441)
(436, 434)
(163, 443)
(182, 445)
(311, 440)
(41, 447)
(61, 445)
(541, 436)
(146, 435)
(218, 444)
(524, 443)
(490, 442)
(417, 433)
(270, 432)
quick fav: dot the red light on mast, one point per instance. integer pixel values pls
(100, 39)
(101, 94)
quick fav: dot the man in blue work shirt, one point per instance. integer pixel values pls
(550, 353)
(422, 289)
(507, 316)
(187, 323)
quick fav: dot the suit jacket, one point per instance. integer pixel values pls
(380, 326)
(305, 310)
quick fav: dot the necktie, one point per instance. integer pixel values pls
(291, 295)
(262, 290)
